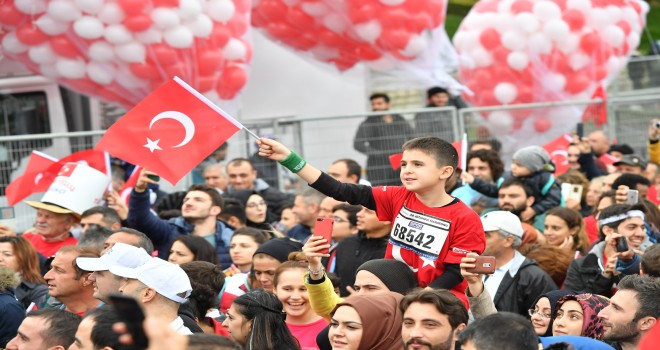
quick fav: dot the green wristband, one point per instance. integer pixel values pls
(293, 162)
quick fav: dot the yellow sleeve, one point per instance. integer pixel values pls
(654, 152)
(322, 297)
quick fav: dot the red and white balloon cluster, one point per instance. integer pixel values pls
(522, 51)
(344, 33)
(120, 50)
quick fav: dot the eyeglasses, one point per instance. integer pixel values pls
(531, 313)
(339, 219)
(254, 205)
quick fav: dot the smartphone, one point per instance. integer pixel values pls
(622, 245)
(575, 193)
(632, 197)
(579, 130)
(154, 177)
(323, 228)
(131, 314)
(485, 265)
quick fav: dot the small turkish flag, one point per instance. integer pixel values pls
(32, 180)
(67, 169)
(125, 192)
(558, 150)
(395, 160)
(93, 158)
(170, 131)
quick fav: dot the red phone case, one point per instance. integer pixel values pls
(323, 228)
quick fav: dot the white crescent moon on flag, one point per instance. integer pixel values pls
(187, 123)
(38, 178)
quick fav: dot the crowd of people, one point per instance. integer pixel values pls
(448, 258)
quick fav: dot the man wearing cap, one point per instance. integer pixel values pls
(159, 286)
(517, 281)
(52, 228)
(631, 164)
(105, 283)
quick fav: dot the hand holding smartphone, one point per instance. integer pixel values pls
(579, 130)
(323, 228)
(632, 197)
(483, 265)
(131, 314)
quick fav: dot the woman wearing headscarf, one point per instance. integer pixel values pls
(543, 312)
(578, 315)
(367, 322)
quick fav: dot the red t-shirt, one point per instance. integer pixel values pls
(591, 226)
(306, 333)
(426, 238)
(48, 249)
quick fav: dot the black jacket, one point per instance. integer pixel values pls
(352, 252)
(517, 294)
(586, 276)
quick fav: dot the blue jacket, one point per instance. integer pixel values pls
(11, 316)
(163, 232)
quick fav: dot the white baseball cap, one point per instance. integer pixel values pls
(121, 254)
(504, 221)
(167, 279)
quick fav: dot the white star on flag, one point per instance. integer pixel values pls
(152, 145)
(428, 262)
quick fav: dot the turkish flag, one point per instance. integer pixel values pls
(558, 150)
(32, 180)
(93, 158)
(395, 160)
(125, 192)
(170, 131)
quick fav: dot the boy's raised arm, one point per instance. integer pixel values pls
(276, 151)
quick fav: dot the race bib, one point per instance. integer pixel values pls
(421, 233)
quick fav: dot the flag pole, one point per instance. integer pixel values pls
(251, 133)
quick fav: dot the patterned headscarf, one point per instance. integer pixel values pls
(592, 325)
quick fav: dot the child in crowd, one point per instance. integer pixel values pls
(533, 166)
(431, 230)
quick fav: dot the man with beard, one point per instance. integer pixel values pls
(632, 312)
(432, 319)
(199, 213)
(515, 196)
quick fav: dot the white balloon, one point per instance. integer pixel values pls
(324, 53)
(63, 10)
(614, 13)
(165, 18)
(201, 27)
(630, 15)
(234, 49)
(500, 122)
(614, 65)
(51, 26)
(582, 5)
(111, 13)
(42, 54)
(127, 80)
(368, 31)
(89, 6)
(335, 22)
(481, 57)
(538, 43)
(569, 43)
(614, 35)
(526, 22)
(100, 73)
(190, 9)
(517, 60)
(416, 45)
(505, 93)
(555, 82)
(149, 36)
(514, 41)
(485, 20)
(546, 10)
(382, 64)
(132, 52)
(101, 51)
(117, 34)
(31, 7)
(633, 40)
(179, 37)
(556, 29)
(48, 71)
(578, 60)
(504, 23)
(314, 9)
(88, 27)
(466, 62)
(11, 44)
(220, 10)
(71, 69)
(392, 2)
(597, 18)
(504, 6)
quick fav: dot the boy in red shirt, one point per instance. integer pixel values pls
(431, 230)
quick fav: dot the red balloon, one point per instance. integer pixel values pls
(163, 55)
(138, 22)
(367, 53)
(393, 39)
(165, 3)
(204, 84)
(131, 7)
(394, 18)
(362, 14)
(522, 6)
(574, 19)
(238, 25)
(303, 42)
(272, 10)
(63, 46)
(500, 55)
(144, 70)
(557, 61)
(219, 36)
(9, 14)
(298, 19)
(525, 95)
(232, 80)
(281, 31)
(590, 43)
(542, 125)
(209, 61)
(485, 77)
(624, 26)
(243, 6)
(30, 34)
(576, 83)
(490, 39)
(177, 69)
(328, 37)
